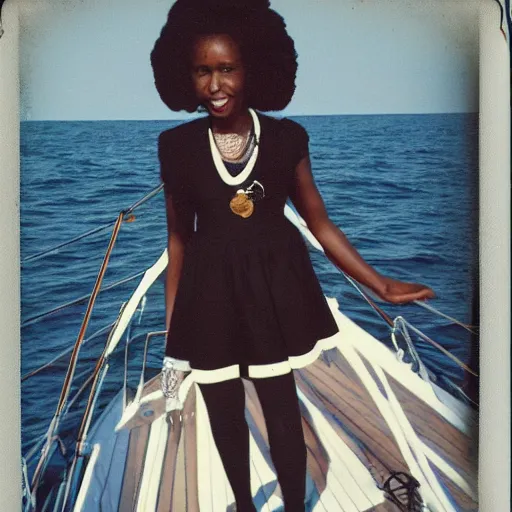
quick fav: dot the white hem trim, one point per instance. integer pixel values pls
(219, 164)
(297, 362)
(263, 371)
(176, 364)
(207, 377)
(256, 371)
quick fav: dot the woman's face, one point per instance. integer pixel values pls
(218, 76)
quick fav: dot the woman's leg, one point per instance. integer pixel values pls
(280, 404)
(225, 402)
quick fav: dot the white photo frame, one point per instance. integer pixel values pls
(494, 464)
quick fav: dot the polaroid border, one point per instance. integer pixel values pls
(495, 261)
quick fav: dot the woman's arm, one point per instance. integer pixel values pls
(180, 225)
(180, 217)
(309, 203)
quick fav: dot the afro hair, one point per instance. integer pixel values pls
(268, 52)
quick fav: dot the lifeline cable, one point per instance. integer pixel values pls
(45, 252)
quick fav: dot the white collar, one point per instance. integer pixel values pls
(219, 164)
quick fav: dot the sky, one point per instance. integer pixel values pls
(89, 59)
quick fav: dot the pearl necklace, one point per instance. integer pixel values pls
(219, 164)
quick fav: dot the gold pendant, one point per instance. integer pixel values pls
(241, 205)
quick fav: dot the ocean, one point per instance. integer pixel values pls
(403, 188)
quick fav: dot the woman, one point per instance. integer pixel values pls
(241, 290)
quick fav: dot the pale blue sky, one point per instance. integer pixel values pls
(89, 59)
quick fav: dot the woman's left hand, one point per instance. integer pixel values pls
(399, 292)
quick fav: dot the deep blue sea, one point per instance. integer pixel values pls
(403, 188)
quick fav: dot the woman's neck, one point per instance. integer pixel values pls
(240, 124)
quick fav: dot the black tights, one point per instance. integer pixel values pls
(225, 402)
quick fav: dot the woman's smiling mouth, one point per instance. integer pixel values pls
(219, 103)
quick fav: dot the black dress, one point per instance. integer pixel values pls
(248, 301)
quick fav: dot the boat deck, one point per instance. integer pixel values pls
(365, 414)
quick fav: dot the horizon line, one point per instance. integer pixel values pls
(288, 115)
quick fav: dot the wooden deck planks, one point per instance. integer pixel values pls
(137, 448)
(378, 470)
(344, 396)
(190, 452)
(317, 459)
(464, 502)
(457, 448)
(179, 495)
(337, 391)
(169, 471)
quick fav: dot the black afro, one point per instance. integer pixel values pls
(268, 52)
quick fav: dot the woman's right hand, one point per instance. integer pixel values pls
(399, 292)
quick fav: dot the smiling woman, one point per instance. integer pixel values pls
(247, 302)
(218, 76)
(242, 297)
(267, 51)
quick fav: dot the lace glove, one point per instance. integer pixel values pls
(173, 373)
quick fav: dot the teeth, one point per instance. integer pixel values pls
(219, 103)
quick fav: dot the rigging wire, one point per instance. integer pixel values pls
(73, 360)
(55, 248)
(128, 211)
(361, 289)
(64, 353)
(470, 328)
(439, 347)
(391, 323)
(40, 441)
(78, 300)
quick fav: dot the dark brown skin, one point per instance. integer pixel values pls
(311, 207)
(179, 228)
(218, 74)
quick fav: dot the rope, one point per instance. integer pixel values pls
(385, 316)
(30, 501)
(401, 325)
(440, 348)
(392, 323)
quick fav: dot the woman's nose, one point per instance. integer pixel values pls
(214, 83)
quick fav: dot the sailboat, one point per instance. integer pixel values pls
(381, 435)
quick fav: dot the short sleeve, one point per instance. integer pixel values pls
(298, 141)
(175, 186)
(302, 144)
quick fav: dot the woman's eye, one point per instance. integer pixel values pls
(227, 69)
(202, 71)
